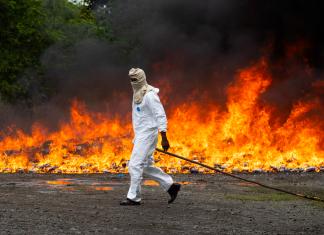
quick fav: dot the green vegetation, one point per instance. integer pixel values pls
(27, 29)
(23, 38)
(261, 197)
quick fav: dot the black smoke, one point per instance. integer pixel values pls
(194, 46)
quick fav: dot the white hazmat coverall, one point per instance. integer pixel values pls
(148, 119)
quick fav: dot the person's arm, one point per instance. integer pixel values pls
(159, 113)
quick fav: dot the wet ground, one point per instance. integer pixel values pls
(207, 204)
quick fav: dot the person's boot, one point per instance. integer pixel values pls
(129, 202)
(173, 191)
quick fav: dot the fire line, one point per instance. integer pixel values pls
(248, 134)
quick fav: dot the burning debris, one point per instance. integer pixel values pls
(194, 170)
(239, 139)
(310, 169)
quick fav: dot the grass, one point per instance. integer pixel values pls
(318, 205)
(261, 197)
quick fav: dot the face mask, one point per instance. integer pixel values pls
(139, 84)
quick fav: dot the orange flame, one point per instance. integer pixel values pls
(238, 139)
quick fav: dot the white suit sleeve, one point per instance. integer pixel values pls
(158, 111)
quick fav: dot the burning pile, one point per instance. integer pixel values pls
(238, 139)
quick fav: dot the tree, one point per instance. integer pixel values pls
(23, 38)
(27, 29)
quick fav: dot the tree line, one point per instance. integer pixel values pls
(27, 29)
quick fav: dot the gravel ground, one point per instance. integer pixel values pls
(207, 204)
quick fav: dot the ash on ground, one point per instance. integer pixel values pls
(215, 204)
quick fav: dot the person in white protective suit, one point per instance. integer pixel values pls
(148, 119)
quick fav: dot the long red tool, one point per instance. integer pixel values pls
(240, 178)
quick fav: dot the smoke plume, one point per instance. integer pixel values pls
(189, 49)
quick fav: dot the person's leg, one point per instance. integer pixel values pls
(157, 174)
(135, 167)
(154, 172)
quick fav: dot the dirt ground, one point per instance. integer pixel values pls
(207, 204)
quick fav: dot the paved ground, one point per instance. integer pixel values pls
(207, 204)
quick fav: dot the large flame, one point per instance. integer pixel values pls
(238, 139)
